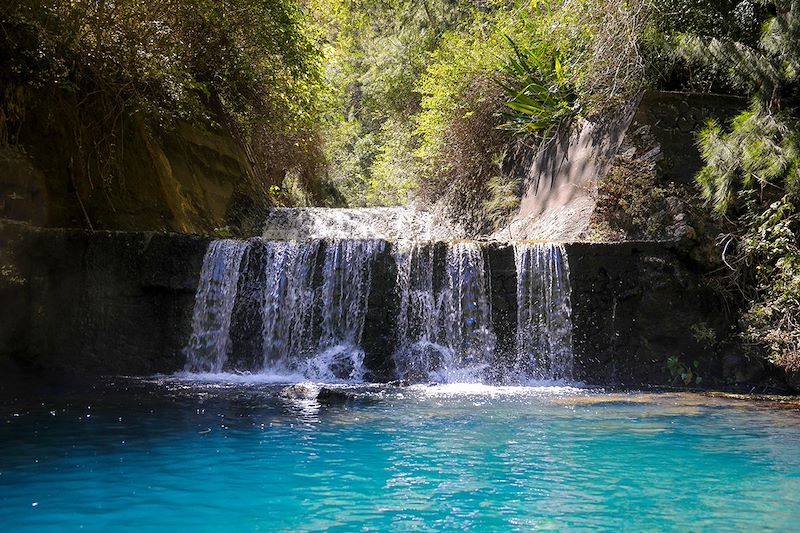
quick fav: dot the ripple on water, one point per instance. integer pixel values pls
(233, 456)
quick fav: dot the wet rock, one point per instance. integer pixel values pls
(739, 368)
(330, 396)
(309, 391)
(300, 391)
(343, 367)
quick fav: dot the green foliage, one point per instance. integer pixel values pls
(762, 148)
(539, 94)
(687, 374)
(503, 199)
(456, 85)
(703, 334)
(394, 172)
(376, 53)
(739, 20)
(770, 251)
(171, 56)
(416, 100)
(225, 232)
(674, 20)
(753, 164)
(761, 151)
(254, 66)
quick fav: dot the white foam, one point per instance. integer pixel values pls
(237, 378)
(388, 223)
(480, 389)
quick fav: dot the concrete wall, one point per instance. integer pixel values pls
(561, 180)
(93, 303)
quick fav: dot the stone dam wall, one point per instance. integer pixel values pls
(79, 303)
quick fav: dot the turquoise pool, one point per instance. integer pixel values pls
(171, 455)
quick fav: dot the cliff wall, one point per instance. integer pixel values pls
(63, 171)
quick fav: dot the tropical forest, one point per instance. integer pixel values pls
(392, 265)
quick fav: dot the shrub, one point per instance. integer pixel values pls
(254, 65)
(752, 174)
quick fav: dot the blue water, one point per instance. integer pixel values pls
(174, 456)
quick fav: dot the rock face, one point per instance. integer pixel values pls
(657, 130)
(91, 303)
(182, 179)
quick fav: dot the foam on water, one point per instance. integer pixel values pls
(492, 391)
(233, 378)
(386, 223)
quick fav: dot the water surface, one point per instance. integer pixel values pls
(214, 457)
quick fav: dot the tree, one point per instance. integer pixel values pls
(752, 173)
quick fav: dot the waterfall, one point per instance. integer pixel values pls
(288, 302)
(417, 353)
(347, 280)
(445, 334)
(544, 309)
(347, 276)
(216, 294)
(299, 310)
(308, 328)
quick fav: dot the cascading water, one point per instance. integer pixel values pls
(417, 353)
(347, 276)
(302, 308)
(464, 308)
(216, 294)
(443, 335)
(308, 329)
(288, 302)
(544, 309)
(347, 280)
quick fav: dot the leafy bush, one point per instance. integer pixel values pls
(376, 53)
(458, 127)
(632, 204)
(457, 84)
(254, 65)
(539, 94)
(736, 20)
(770, 250)
(752, 174)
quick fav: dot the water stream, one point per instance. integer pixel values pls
(211, 321)
(544, 309)
(444, 335)
(312, 301)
